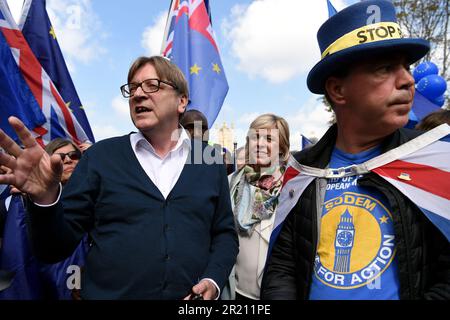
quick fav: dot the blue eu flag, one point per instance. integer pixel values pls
(40, 35)
(189, 43)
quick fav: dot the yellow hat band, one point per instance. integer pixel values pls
(367, 34)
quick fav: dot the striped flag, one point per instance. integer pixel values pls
(58, 116)
(424, 177)
(419, 169)
(189, 42)
(37, 29)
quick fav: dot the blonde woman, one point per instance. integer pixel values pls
(254, 196)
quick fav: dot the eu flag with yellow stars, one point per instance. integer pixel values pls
(189, 42)
(41, 37)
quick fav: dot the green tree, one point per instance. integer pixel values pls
(429, 19)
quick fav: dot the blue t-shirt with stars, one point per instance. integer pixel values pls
(356, 252)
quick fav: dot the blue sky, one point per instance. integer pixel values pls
(267, 48)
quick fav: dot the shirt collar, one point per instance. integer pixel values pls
(139, 141)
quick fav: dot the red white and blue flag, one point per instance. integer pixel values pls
(419, 169)
(57, 114)
(189, 42)
(37, 29)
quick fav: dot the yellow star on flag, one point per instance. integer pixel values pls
(216, 68)
(68, 106)
(52, 32)
(384, 219)
(195, 69)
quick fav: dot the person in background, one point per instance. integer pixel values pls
(196, 124)
(433, 120)
(56, 275)
(240, 158)
(254, 191)
(70, 155)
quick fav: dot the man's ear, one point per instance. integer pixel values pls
(182, 104)
(335, 90)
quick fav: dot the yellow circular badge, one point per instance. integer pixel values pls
(356, 242)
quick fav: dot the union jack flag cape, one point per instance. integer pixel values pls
(420, 169)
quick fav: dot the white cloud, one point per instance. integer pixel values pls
(247, 118)
(120, 105)
(113, 122)
(105, 131)
(311, 120)
(153, 35)
(276, 39)
(78, 29)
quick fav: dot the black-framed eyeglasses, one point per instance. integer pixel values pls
(73, 155)
(148, 86)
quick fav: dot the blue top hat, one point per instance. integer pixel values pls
(367, 27)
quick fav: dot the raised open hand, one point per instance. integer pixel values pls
(33, 171)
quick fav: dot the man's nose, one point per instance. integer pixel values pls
(139, 93)
(405, 80)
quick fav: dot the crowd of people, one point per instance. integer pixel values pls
(163, 214)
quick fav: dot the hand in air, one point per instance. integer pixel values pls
(31, 169)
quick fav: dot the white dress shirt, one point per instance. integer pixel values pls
(164, 172)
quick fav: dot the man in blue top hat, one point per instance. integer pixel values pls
(355, 236)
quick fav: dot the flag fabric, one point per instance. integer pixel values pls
(420, 109)
(331, 10)
(424, 177)
(189, 42)
(32, 280)
(419, 169)
(306, 142)
(44, 91)
(41, 37)
(16, 256)
(294, 184)
(16, 97)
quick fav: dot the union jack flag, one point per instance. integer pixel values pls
(58, 116)
(189, 42)
(419, 169)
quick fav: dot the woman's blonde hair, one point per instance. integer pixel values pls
(269, 121)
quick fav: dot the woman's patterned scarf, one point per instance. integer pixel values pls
(256, 196)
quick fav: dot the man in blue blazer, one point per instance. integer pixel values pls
(158, 214)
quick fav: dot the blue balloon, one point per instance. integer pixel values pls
(439, 101)
(425, 69)
(432, 86)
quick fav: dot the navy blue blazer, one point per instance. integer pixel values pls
(143, 246)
